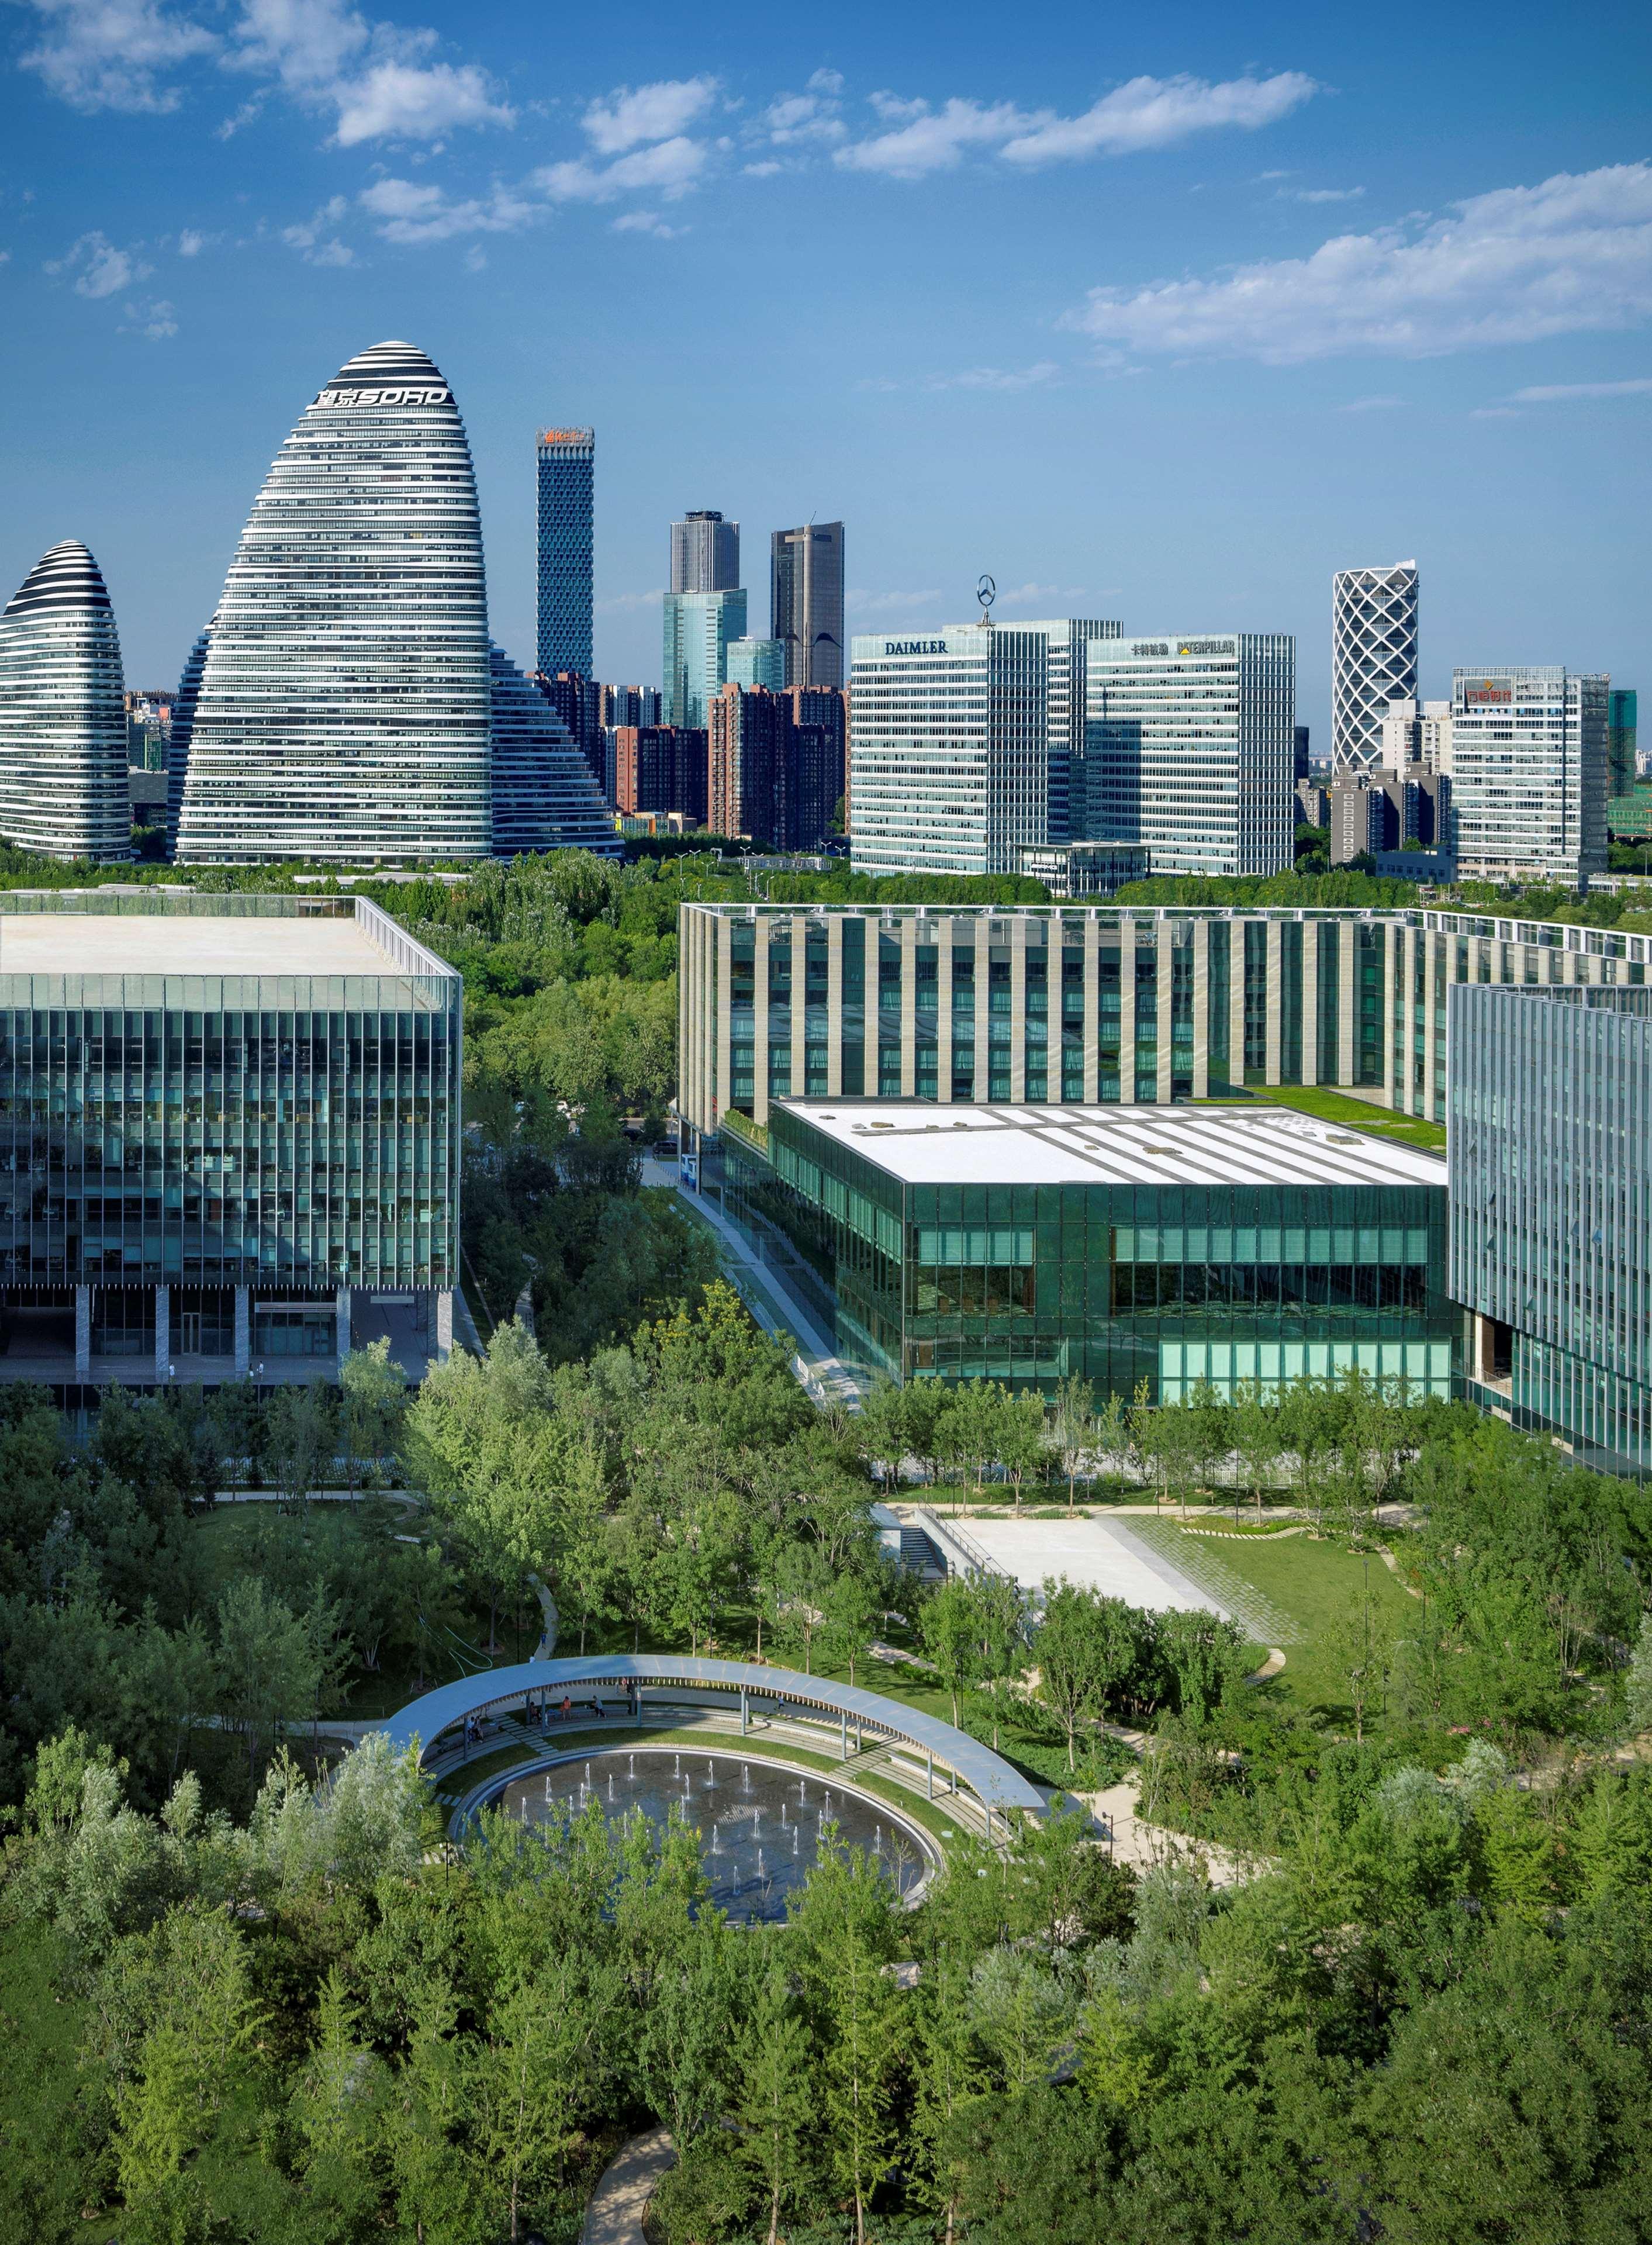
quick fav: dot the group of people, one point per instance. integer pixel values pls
(540, 1717)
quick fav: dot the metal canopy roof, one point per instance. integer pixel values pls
(987, 1774)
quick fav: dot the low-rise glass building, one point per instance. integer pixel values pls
(229, 1137)
(1550, 1150)
(1170, 1246)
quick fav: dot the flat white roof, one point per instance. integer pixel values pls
(922, 1143)
(164, 943)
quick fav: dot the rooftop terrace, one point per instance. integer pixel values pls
(921, 1145)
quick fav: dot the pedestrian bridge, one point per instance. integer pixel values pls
(622, 1687)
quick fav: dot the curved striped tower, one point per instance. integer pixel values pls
(343, 707)
(63, 714)
(544, 796)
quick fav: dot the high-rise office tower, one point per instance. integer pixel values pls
(1190, 746)
(63, 715)
(1068, 637)
(704, 553)
(627, 705)
(566, 464)
(1529, 772)
(698, 627)
(345, 707)
(577, 701)
(806, 601)
(756, 662)
(545, 797)
(1621, 742)
(949, 749)
(1373, 658)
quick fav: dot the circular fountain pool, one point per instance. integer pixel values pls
(760, 1823)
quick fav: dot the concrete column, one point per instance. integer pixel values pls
(243, 1332)
(1395, 952)
(1236, 1002)
(1275, 998)
(842, 1735)
(1347, 1002)
(163, 1333)
(1310, 1001)
(908, 1005)
(983, 1008)
(835, 1007)
(341, 1311)
(1163, 994)
(1127, 1010)
(944, 1010)
(724, 936)
(1432, 942)
(799, 987)
(760, 1020)
(1055, 952)
(1018, 1008)
(82, 1334)
(443, 1325)
(745, 1712)
(1202, 1008)
(1090, 1026)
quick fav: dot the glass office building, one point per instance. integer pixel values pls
(1550, 1142)
(229, 1137)
(1024, 1243)
(1093, 1004)
(63, 716)
(698, 630)
(343, 702)
(1530, 766)
(565, 462)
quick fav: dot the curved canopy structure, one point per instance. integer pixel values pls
(995, 1785)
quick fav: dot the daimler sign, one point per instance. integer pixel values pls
(385, 397)
(915, 646)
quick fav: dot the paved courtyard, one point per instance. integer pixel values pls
(1102, 1554)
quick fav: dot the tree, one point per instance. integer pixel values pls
(301, 1433)
(1255, 1436)
(854, 1607)
(1360, 1645)
(1637, 1688)
(1020, 1437)
(1071, 1654)
(949, 2080)
(1072, 1426)
(267, 1666)
(867, 2036)
(374, 1394)
(882, 1429)
(778, 2100)
(948, 1628)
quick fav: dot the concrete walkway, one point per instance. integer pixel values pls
(818, 1368)
(620, 2199)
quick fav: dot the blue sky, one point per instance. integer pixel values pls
(1161, 315)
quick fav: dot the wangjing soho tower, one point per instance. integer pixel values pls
(544, 796)
(63, 720)
(344, 704)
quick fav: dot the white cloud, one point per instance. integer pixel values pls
(998, 377)
(1325, 195)
(1551, 393)
(1512, 266)
(100, 269)
(1493, 413)
(476, 258)
(1382, 405)
(113, 54)
(192, 241)
(153, 320)
(1028, 595)
(648, 221)
(1147, 112)
(670, 168)
(923, 140)
(812, 115)
(826, 81)
(1153, 113)
(375, 78)
(632, 115)
(412, 211)
(315, 239)
(765, 170)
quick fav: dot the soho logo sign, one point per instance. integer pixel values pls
(915, 646)
(382, 397)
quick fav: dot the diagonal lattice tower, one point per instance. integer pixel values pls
(1373, 658)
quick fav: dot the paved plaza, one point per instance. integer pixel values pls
(1102, 1554)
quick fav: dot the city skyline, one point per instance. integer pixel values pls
(1437, 365)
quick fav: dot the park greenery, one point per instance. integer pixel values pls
(253, 1992)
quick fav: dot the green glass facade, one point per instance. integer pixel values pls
(1166, 1282)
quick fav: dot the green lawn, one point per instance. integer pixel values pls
(1358, 1114)
(1318, 1584)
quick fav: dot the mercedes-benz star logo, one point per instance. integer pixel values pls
(986, 593)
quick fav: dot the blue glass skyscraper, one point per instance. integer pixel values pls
(567, 473)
